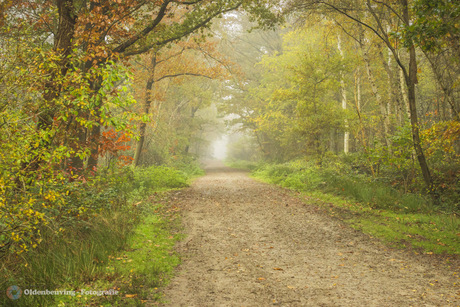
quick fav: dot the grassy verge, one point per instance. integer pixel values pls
(124, 249)
(241, 164)
(136, 272)
(400, 219)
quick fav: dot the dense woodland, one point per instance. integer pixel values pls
(362, 87)
(100, 98)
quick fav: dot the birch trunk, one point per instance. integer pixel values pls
(346, 136)
(378, 97)
(358, 111)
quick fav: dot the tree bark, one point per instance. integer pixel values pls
(358, 112)
(142, 125)
(346, 135)
(52, 87)
(392, 95)
(62, 47)
(147, 104)
(403, 90)
(378, 97)
(411, 81)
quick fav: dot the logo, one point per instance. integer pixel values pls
(13, 292)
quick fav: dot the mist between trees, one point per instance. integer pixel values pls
(95, 91)
(366, 88)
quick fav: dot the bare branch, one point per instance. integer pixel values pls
(183, 34)
(161, 14)
(389, 7)
(353, 18)
(182, 74)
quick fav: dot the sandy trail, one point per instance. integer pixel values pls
(253, 244)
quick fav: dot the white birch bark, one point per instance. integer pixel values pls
(346, 136)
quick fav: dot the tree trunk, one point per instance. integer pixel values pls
(147, 104)
(62, 47)
(53, 86)
(143, 126)
(392, 94)
(411, 80)
(358, 111)
(346, 135)
(76, 162)
(95, 137)
(405, 98)
(378, 97)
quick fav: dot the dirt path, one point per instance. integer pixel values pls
(252, 244)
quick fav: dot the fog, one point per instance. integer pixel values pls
(220, 148)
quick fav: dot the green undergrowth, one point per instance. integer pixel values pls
(125, 246)
(423, 232)
(242, 164)
(375, 208)
(145, 264)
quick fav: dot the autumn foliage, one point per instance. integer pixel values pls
(67, 107)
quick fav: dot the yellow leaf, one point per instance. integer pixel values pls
(130, 295)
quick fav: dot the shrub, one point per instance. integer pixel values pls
(90, 220)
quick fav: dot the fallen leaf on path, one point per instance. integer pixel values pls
(278, 269)
(291, 287)
(261, 278)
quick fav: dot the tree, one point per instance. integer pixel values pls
(374, 20)
(297, 108)
(435, 29)
(89, 35)
(183, 59)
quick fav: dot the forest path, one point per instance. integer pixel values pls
(253, 244)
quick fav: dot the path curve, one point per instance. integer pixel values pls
(254, 244)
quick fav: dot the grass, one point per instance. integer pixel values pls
(126, 248)
(241, 164)
(144, 265)
(66, 259)
(423, 232)
(401, 220)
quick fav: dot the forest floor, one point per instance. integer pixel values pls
(253, 244)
